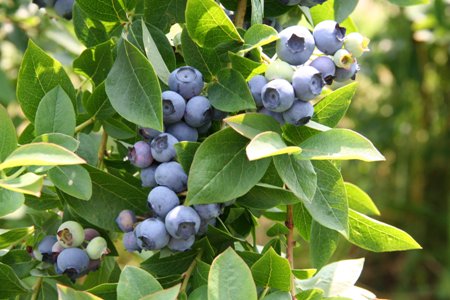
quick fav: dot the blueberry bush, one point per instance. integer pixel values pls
(182, 125)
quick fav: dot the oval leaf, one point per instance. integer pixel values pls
(28, 183)
(265, 196)
(67, 293)
(268, 144)
(252, 124)
(10, 201)
(322, 245)
(73, 180)
(8, 137)
(135, 283)
(359, 200)
(9, 279)
(60, 139)
(104, 10)
(272, 270)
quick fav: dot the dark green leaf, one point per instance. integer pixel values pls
(73, 180)
(302, 221)
(359, 201)
(134, 283)
(200, 274)
(322, 245)
(165, 266)
(220, 163)
(39, 74)
(133, 89)
(98, 105)
(8, 137)
(11, 284)
(185, 153)
(88, 150)
(264, 196)
(89, 31)
(164, 13)
(273, 271)
(104, 10)
(277, 229)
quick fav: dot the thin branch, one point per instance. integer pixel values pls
(264, 292)
(188, 273)
(240, 13)
(290, 244)
(102, 149)
(84, 124)
(37, 288)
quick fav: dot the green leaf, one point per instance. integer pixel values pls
(330, 110)
(334, 278)
(230, 92)
(55, 113)
(89, 31)
(278, 295)
(339, 144)
(322, 245)
(409, 2)
(200, 274)
(247, 67)
(342, 9)
(165, 266)
(258, 35)
(359, 201)
(276, 230)
(133, 89)
(313, 294)
(106, 291)
(6, 86)
(273, 271)
(304, 273)
(8, 137)
(39, 74)
(220, 163)
(206, 60)
(167, 294)
(329, 206)
(299, 176)
(14, 236)
(268, 144)
(95, 62)
(326, 11)
(67, 293)
(257, 12)
(11, 284)
(264, 196)
(60, 139)
(10, 201)
(164, 13)
(302, 221)
(29, 183)
(108, 191)
(134, 283)
(199, 293)
(208, 25)
(185, 153)
(252, 124)
(376, 236)
(230, 278)
(98, 104)
(73, 180)
(104, 10)
(40, 154)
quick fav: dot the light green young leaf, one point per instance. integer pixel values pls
(135, 283)
(339, 144)
(39, 74)
(67, 293)
(14, 236)
(55, 114)
(230, 92)
(40, 154)
(167, 294)
(247, 67)
(133, 88)
(271, 270)
(220, 163)
(252, 124)
(73, 180)
(60, 139)
(359, 201)
(376, 236)
(230, 278)
(268, 144)
(8, 137)
(208, 25)
(29, 183)
(10, 201)
(258, 35)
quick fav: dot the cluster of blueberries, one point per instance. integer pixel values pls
(290, 83)
(74, 251)
(186, 114)
(62, 7)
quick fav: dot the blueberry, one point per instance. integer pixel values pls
(180, 244)
(203, 130)
(97, 248)
(151, 234)
(356, 44)
(198, 111)
(125, 220)
(148, 176)
(182, 222)
(299, 114)
(183, 132)
(162, 147)
(140, 155)
(277, 95)
(149, 133)
(162, 200)
(204, 225)
(329, 36)
(130, 242)
(307, 82)
(343, 59)
(311, 3)
(346, 74)
(326, 67)
(279, 70)
(90, 233)
(45, 248)
(57, 248)
(218, 115)
(172, 175)
(186, 81)
(276, 115)
(208, 211)
(64, 8)
(73, 262)
(256, 84)
(295, 46)
(70, 234)
(173, 107)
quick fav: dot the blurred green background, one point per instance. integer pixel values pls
(402, 105)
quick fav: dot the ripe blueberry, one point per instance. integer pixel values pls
(208, 211)
(329, 36)
(73, 262)
(125, 220)
(307, 82)
(326, 67)
(198, 111)
(346, 74)
(277, 95)
(70, 234)
(299, 114)
(256, 84)
(276, 115)
(149, 133)
(295, 46)
(64, 8)
(172, 175)
(204, 225)
(148, 176)
(183, 132)
(45, 248)
(186, 81)
(162, 147)
(162, 200)
(130, 242)
(173, 107)
(140, 155)
(182, 222)
(180, 244)
(151, 234)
